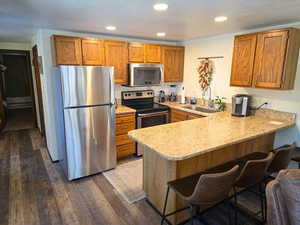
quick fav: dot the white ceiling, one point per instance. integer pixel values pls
(184, 20)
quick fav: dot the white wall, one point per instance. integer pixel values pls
(15, 46)
(223, 46)
(49, 84)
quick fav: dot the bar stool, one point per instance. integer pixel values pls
(282, 158)
(296, 156)
(253, 173)
(201, 189)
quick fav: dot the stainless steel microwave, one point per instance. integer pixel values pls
(145, 74)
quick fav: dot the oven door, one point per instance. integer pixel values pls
(146, 74)
(149, 120)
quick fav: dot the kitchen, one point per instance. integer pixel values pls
(143, 108)
(125, 116)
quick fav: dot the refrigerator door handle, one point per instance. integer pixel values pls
(112, 84)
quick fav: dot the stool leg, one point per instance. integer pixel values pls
(262, 207)
(165, 207)
(192, 214)
(265, 200)
(235, 204)
(229, 212)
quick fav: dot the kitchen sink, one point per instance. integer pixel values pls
(199, 109)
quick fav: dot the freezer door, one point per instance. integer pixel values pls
(90, 140)
(87, 85)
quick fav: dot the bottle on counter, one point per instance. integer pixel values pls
(182, 96)
(193, 101)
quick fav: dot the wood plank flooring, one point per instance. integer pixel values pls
(34, 191)
(19, 119)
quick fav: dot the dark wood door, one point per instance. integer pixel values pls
(92, 52)
(173, 60)
(270, 59)
(17, 76)
(116, 55)
(35, 61)
(243, 60)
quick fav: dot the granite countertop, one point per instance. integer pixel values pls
(121, 109)
(186, 139)
(177, 105)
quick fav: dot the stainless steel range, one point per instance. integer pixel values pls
(148, 113)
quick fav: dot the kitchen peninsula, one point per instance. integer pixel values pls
(181, 149)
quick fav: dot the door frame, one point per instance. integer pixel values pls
(36, 66)
(25, 53)
(2, 109)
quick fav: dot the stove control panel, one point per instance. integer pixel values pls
(126, 95)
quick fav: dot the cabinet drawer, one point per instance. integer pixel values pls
(174, 120)
(192, 116)
(125, 150)
(178, 115)
(125, 118)
(124, 128)
(123, 139)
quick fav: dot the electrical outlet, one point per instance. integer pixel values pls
(267, 104)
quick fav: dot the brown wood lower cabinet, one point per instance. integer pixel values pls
(124, 124)
(192, 116)
(179, 115)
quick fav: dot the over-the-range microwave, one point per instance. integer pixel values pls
(144, 74)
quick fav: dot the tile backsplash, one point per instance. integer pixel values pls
(165, 87)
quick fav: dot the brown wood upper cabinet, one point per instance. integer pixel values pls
(266, 59)
(153, 53)
(270, 59)
(243, 60)
(67, 50)
(173, 60)
(92, 52)
(136, 52)
(116, 54)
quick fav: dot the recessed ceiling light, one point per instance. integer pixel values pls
(220, 18)
(111, 28)
(160, 34)
(160, 7)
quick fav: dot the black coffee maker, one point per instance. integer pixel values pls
(241, 105)
(162, 96)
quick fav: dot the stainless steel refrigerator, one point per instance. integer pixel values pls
(89, 120)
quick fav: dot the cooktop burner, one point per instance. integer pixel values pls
(149, 108)
(142, 101)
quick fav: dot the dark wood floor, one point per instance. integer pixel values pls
(19, 119)
(33, 190)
